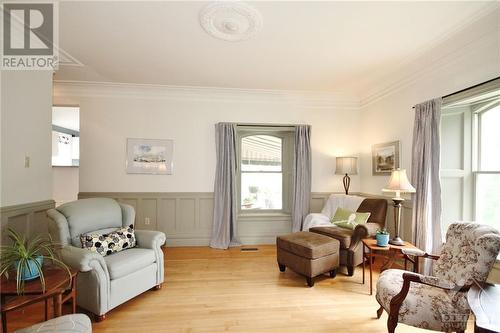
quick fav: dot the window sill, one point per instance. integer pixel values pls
(264, 216)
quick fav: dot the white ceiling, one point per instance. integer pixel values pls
(303, 45)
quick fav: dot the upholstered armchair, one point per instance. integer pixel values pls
(439, 302)
(351, 247)
(105, 282)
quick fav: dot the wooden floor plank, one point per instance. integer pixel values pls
(209, 290)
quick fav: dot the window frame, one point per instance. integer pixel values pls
(286, 134)
(477, 151)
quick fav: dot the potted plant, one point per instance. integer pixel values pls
(382, 237)
(25, 259)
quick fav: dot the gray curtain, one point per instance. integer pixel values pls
(425, 177)
(301, 176)
(224, 232)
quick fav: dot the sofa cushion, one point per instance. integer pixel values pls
(109, 242)
(308, 245)
(123, 263)
(343, 235)
(88, 215)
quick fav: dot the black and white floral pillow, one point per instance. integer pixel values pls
(104, 244)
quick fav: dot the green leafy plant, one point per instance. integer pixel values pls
(23, 254)
(382, 231)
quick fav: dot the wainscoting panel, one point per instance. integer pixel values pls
(318, 200)
(186, 217)
(29, 219)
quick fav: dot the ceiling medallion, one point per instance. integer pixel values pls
(231, 20)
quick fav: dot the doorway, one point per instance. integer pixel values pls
(65, 153)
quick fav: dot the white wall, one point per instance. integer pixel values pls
(26, 108)
(109, 115)
(64, 184)
(469, 58)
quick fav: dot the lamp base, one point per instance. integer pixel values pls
(346, 181)
(397, 241)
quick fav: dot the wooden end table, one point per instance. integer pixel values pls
(58, 286)
(389, 253)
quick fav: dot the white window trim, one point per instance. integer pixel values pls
(476, 148)
(285, 133)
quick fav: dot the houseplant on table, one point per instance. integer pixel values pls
(382, 237)
(25, 259)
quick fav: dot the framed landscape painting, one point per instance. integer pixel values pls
(385, 158)
(149, 156)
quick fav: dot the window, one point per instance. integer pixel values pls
(487, 173)
(470, 156)
(265, 158)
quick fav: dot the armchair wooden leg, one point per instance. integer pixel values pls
(392, 322)
(333, 273)
(380, 311)
(282, 267)
(350, 270)
(310, 281)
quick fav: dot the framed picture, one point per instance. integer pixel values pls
(385, 158)
(149, 156)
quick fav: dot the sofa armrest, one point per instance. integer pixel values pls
(149, 239)
(83, 260)
(315, 220)
(361, 231)
(58, 227)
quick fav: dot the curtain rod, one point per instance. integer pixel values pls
(266, 125)
(468, 88)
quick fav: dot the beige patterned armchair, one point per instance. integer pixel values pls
(439, 302)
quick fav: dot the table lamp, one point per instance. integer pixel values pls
(399, 184)
(346, 166)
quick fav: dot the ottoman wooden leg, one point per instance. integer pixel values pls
(282, 267)
(310, 281)
(333, 273)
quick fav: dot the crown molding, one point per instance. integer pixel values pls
(308, 99)
(421, 64)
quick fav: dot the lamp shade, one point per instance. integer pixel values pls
(399, 183)
(346, 165)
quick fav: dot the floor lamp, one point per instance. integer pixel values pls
(399, 184)
(346, 166)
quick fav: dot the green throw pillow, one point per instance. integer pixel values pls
(345, 224)
(344, 218)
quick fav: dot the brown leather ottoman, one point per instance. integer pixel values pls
(308, 254)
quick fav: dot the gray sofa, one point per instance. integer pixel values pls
(106, 282)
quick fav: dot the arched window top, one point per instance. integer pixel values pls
(261, 153)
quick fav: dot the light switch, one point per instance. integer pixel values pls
(27, 161)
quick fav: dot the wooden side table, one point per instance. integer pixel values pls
(483, 301)
(389, 253)
(58, 286)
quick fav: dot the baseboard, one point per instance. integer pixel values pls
(181, 242)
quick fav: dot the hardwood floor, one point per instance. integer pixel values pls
(210, 290)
